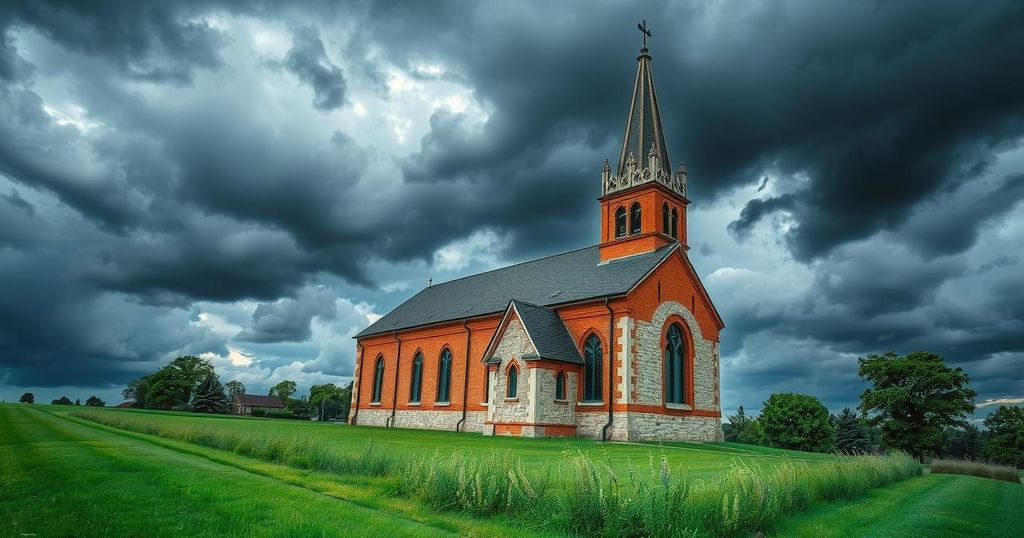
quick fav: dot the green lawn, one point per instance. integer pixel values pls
(931, 505)
(60, 478)
(61, 475)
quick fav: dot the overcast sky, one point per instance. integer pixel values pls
(257, 181)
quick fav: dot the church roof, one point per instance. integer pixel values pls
(545, 329)
(565, 278)
(644, 133)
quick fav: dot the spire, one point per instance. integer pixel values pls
(644, 140)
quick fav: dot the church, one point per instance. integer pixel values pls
(616, 341)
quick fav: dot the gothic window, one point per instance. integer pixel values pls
(592, 369)
(560, 386)
(378, 380)
(675, 222)
(444, 376)
(634, 218)
(417, 378)
(666, 219)
(620, 222)
(675, 365)
(512, 386)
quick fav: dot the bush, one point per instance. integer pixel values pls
(976, 468)
(281, 414)
(798, 422)
(258, 412)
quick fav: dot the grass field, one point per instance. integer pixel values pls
(62, 475)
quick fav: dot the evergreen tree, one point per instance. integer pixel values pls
(974, 448)
(851, 437)
(737, 424)
(752, 434)
(209, 396)
(78, 401)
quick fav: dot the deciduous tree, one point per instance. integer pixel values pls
(94, 401)
(235, 388)
(797, 421)
(28, 398)
(63, 400)
(1006, 441)
(283, 390)
(914, 398)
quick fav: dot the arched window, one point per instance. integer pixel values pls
(675, 365)
(512, 386)
(560, 386)
(378, 380)
(592, 369)
(675, 222)
(620, 222)
(634, 218)
(666, 219)
(417, 378)
(444, 376)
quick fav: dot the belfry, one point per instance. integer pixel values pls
(617, 341)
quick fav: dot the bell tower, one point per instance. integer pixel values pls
(643, 204)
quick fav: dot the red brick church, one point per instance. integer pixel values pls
(617, 341)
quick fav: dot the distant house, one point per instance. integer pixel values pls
(245, 403)
(126, 405)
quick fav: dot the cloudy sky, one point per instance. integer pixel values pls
(257, 181)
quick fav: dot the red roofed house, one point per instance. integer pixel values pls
(615, 341)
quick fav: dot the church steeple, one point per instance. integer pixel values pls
(643, 204)
(644, 140)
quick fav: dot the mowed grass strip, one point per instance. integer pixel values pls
(58, 478)
(575, 486)
(931, 505)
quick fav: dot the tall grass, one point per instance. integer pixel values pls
(304, 452)
(577, 494)
(976, 468)
(594, 500)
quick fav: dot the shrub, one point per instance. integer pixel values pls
(976, 468)
(258, 412)
(798, 422)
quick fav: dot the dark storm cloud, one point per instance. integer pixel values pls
(877, 123)
(308, 60)
(288, 320)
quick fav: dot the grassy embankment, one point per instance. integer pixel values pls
(60, 478)
(557, 485)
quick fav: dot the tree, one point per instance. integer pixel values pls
(737, 423)
(851, 437)
(914, 398)
(209, 396)
(63, 400)
(78, 401)
(283, 390)
(28, 398)
(235, 389)
(171, 386)
(94, 401)
(325, 400)
(1006, 439)
(752, 434)
(797, 421)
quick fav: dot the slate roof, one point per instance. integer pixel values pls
(257, 400)
(548, 333)
(564, 278)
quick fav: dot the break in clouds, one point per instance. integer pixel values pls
(258, 181)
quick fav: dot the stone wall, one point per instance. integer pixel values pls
(550, 411)
(647, 347)
(513, 345)
(654, 427)
(373, 417)
(427, 419)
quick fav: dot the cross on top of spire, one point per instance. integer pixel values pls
(642, 26)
